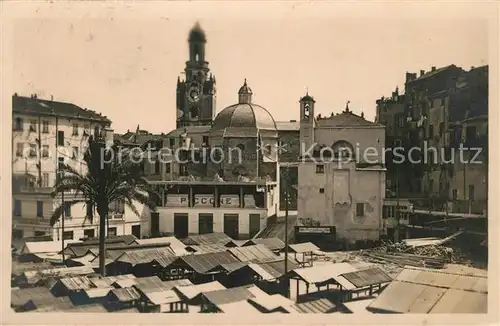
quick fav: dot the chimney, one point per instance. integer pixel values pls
(422, 72)
(51, 97)
(433, 68)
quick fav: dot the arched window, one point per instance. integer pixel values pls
(241, 147)
(343, 149)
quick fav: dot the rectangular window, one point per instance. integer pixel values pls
(32, 125)
(75, 152)
(19, 149)
(441, 128)
(60, 163)
(111, 231)
(17, 207)
(431, 131)
(205, 223)
(32, 150)
(39, 208)
(45, 179)
(67, 209)
(172, 142)
(86, 129)
(45, 127)
(320, 168)
(471, 192)
(90, 209)
(117, 207)
(75, 129)
(68, 235)
(360, 209)
(167, 168)
(321, 190)
(19, 124)
(454, 194)
(60, 138)
(89, 233)
(183, 170)
(45, 151)
(205, 141)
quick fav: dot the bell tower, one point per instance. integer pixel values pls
(307, 122)
(197, 93)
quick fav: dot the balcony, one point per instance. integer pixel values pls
(38, 190)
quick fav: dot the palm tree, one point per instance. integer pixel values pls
(112, 175)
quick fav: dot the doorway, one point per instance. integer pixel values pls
(155, 224)
(181, 225)
(231, 225)
(136, 231)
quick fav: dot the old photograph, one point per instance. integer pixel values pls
(298, 158)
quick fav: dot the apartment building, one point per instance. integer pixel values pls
(46, 134)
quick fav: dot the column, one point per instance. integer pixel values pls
(242, 197)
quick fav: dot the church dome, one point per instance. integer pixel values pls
(197, 34)
(246, 115)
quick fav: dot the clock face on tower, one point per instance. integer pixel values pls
(193, 93)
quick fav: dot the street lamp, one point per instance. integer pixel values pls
(287, 198)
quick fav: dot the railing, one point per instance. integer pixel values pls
(42, 190)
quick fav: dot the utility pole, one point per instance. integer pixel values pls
(39, 143)
(285, 184)
(396, 238)
(63, 217)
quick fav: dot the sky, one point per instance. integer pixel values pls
(123, 60)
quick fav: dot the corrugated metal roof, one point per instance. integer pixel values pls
(104, 282)
(163, 256)
(206, 248)
(155, 284)
(191, 291)
(97, 292)
(367, 277)
(177, 246)
(163, 297)
(33, 277)
(239, 307)
(18, 268)
(253, 253)
(77, 283)
(359, 306)
(302, 247)
(272, 243)
(210, 238)
(203, 263)
(319, 306)
(229, 268)
(225, 296)
(322, 273)
(429, 291)
(271, 302)
(44, 246)
(124, 294)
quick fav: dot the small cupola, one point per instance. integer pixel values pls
(245, 93)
